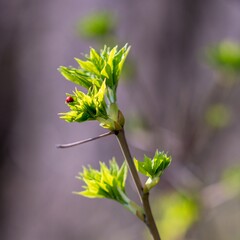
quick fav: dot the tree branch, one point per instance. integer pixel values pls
(149, 220)
(68, 145)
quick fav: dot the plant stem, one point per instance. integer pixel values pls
(144, 196)
(126, 153)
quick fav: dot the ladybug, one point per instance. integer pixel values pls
(69, 99)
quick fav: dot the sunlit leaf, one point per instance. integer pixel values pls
(153, 168)
(99, 74)
(88, 66)
(106, 182)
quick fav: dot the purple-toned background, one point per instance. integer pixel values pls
(170, 87)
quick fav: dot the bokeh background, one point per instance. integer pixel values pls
(180, 92)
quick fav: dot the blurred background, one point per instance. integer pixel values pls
(180, 92)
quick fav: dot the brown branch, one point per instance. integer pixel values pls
(149, 220)
(68, 145)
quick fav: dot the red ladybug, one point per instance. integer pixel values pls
(69, 99)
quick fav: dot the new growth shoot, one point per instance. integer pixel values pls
(99, 74)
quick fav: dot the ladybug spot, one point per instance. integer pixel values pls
(69, 99)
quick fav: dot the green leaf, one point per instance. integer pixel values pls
(107, 74)
(77, 77)
(90, 194)
(111, 57)
(99, 74)
(145, 167)
(122, 175)
(106, 65)
(119, 61)
(153, 168)
(96, 59)
(87, 106)
(108, 182)
(88, 66)
(99, 96)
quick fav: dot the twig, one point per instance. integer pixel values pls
(149, 220)
(83, 141)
